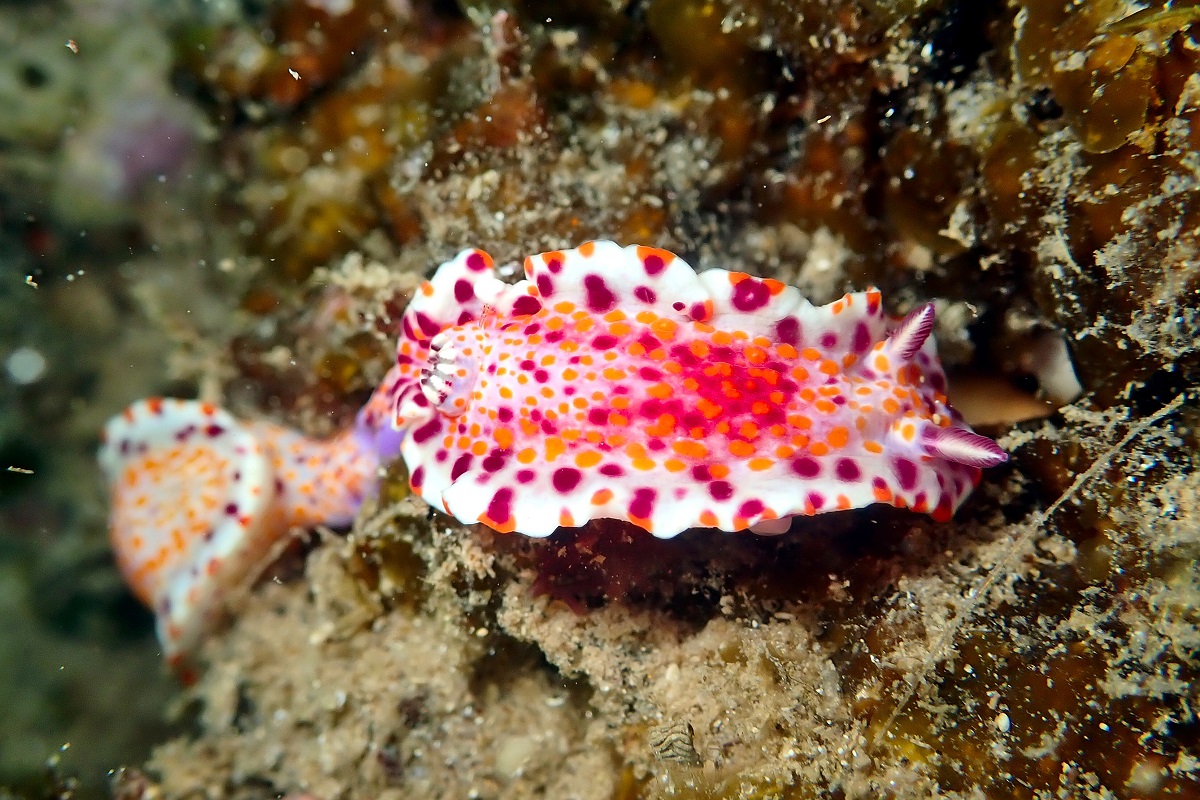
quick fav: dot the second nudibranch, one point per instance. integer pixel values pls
(610, 383)
(199, 500)
(617, 383)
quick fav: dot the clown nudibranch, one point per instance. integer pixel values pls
(610, 383)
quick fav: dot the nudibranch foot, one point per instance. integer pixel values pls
(199, 498)
(617, 383)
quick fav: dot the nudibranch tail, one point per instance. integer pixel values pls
(616, 382)
(198, 499)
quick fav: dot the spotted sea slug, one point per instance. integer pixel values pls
(610, 383)
(198, 499)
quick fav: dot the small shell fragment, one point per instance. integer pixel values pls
(675, 742)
